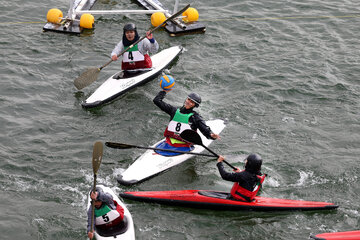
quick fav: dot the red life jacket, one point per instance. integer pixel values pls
(146, 63)
(245, 195)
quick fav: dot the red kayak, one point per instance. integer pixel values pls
(351, 235)
(219, 201)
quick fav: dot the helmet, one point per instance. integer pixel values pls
(195, 98)
(129, 27)
(253, 163)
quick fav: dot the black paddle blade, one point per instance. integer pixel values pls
(97, 156)
(191, 136)
(118, 145)
(86, 78)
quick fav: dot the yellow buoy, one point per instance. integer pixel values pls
(54, 15)
(87, 20)
(190, 15)
(157, 18)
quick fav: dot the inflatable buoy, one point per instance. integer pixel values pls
(167, 82)
(54, 15)
(190, 15)
(87, 21)
(157, 18)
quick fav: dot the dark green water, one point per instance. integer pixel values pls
(284, 74)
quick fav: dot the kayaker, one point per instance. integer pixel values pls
(137, 56)
(247, 182)
(107, 214)
(180, 119)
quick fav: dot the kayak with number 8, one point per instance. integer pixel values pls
(152, 163)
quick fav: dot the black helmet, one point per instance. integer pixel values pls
(129, 27)
(253, 164)
(195, 98)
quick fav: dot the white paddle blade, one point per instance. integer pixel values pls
(86, 78)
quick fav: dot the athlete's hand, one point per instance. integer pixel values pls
(94, 195)
(114, 57)
(215, 136)
(221, 158)
(149, 35)
(90, 235)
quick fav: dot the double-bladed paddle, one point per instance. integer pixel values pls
(91, 74)
(96, 161)
(194, 138)
(127, 146)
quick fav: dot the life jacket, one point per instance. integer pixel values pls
(134, 59)
(177, 125)
(107, 217)
(242, 194)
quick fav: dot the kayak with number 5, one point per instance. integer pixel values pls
(121, 231)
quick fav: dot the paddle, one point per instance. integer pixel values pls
(127, 146)
(91, 74)
(96, 161)
(193, 137)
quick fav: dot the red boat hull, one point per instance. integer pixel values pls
(351, 235)
(218, 201)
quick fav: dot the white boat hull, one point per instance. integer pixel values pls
(150, 163)
(130, 232)
(113, 87)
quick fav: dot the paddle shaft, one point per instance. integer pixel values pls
(96, 161)
(216, 155)
(193, 137)
(93, 205)
(142, 38)
(126, 146)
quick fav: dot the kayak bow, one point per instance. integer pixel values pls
(350, 235)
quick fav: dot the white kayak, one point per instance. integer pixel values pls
(125, 229)
(152, 163)
(123, 81)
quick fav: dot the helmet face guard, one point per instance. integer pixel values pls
(195, 98)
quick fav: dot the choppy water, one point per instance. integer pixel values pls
(285, 74)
